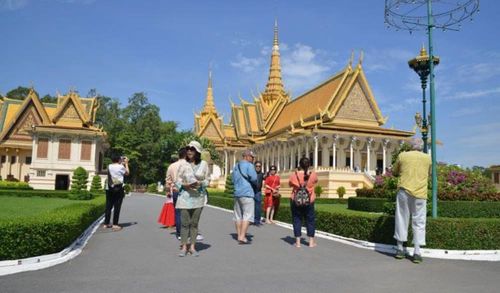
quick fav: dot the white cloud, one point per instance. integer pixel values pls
(402, 105)
(385, 59)
(247, 64)
(466, 111)
(479, 71)
(10, 5)
(467, 95)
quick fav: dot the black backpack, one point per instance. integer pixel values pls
(302, 196)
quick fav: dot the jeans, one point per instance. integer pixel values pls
(189, 227)
(300, 212)
(258, 207)
(114, 201)
(177, 216)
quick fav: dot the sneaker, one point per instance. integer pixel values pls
(400, 254)
(199, 237)
(178, 237)
(417, 258)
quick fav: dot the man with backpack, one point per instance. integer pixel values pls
(302, 201)
(245, 182)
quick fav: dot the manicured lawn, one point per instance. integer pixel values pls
(15, 207)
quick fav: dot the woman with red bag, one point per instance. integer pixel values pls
(272, 195)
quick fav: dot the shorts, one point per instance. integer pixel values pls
(244, 208)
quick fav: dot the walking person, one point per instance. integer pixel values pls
(258, 193)
(413, 168)
(170, 184)
(272, 194)
(245, 181)
(115, 194)
(302, 201)
(192, 181)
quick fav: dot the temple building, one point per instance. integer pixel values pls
(337, 124)
(43, 143)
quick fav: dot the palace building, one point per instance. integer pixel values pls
(43, 143)
(337, 124)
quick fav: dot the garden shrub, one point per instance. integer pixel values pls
(152, 188)
(229, 189)
(15, 185)
(79, 180)
(318, 190)
(127, 188)
(366, 204)
(48, 232)
(341, 191)
(96, 184)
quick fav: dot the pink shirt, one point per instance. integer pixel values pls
(172, 173)
(296, 183)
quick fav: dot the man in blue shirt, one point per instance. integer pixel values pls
(245, 181)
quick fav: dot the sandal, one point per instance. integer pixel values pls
(117, 227)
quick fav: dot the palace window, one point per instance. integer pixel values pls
(13, 159)
(3, 159)
(40, 173)
(28, 160)
(86, 150)
(64, 149)
(497, 179)
(43, 148)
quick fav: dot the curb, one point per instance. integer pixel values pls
(8, 267)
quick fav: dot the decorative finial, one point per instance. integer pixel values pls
(352, 58)
(423, 52)
(275, 42)
(361, 56)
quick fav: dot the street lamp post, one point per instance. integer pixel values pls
(420, 65)
(418, 15)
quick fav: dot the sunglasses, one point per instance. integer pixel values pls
(258, 166)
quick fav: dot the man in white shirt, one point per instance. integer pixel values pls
(172, 189)
(114, 197)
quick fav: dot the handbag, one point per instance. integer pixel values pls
(302, 196)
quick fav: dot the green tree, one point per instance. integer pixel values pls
(79, 180)
(96, 184)
(19, 93)
(229, 188)
(49, 99)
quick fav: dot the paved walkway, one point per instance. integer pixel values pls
(143, 258)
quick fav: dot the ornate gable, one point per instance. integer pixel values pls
(70, 112)
(20, 130)
(356, 106)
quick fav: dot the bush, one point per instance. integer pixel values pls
(30, 193)
(152, 188)
(96, 183)
(82, 195)
(15, 185)
(127, 188)
(318, 190)
(366, 204)
(375, 193)
(443, 233)
(229, 184)
(341, 191)
(49, 232)
(469, 209)
(79, 180)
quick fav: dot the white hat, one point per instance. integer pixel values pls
(196, 145)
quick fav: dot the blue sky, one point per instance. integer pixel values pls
(165, 48)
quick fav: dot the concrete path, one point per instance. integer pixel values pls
(143, 258)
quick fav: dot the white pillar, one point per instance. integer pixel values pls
(234, 158)
(368, 151)
(268, 151)
(315, 152)
(278, 157)
(353, 139)
(298, 153)
(384, 151)
(226, 158)
(290, 149)
(334, 151)
(307, 147)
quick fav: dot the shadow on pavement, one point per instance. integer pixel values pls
(291, 240)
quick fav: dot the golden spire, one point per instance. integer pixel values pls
(423, 52)
(274, 87)
(209, 100)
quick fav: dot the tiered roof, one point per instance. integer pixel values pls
(19, 118)
(343, 103)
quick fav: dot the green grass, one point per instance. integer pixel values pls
(340, 208)
(17, 207)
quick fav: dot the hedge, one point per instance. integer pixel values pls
(366, 204)
(448, 209)
(14, 185)
(42, 193)
(49, 232)
(445, 196)
(442, 233)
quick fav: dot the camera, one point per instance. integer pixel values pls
(123, 159)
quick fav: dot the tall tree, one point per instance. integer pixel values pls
(19, 93)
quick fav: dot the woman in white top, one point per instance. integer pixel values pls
(192, 181)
